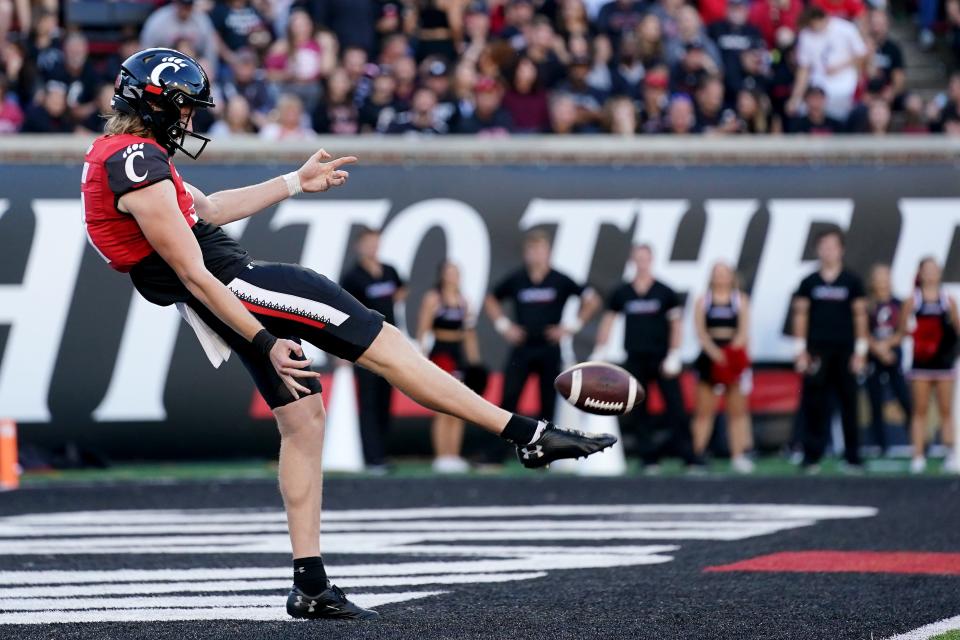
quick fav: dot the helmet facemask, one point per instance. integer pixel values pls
(178, 135)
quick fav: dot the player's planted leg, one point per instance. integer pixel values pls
(538, 442)
(301, 426)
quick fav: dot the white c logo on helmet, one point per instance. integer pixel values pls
(166, 63)
(133, 151)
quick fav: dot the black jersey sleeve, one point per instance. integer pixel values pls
(805, 290)
(616, 299)
(136, 166)
(506, 288)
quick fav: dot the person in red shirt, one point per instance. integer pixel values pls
(770, 15)
(145, 220)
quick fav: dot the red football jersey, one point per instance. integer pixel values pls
(115, 165)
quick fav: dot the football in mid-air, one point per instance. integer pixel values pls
(599, 387)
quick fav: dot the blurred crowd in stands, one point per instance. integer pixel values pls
(287, 69)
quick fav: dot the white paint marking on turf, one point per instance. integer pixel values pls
(460, 545)
(930, 630)
(273, 612)
(246, 585)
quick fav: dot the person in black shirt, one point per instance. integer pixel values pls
(887, 60)
(884, 370)
(734, 36)
(815, 121)
(538, 294)
(652, 313)
(830, 330)
(377, 286)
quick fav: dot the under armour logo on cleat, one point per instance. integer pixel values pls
(534, 452)
(301, 569)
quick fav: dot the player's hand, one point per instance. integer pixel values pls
(717, 356)
(317, 175)
(858, 364)
(556, 332)
(289, 369)
(802, 362)
(515, 335)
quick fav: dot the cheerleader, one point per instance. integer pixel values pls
(722, 323)
(445, 319)
(936, 326)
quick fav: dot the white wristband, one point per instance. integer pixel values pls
(292, 181)
(799, 347)
(672, 363)
(861, 347)
(502, 324)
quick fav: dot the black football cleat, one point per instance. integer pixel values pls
(331, 604)
(556, 443)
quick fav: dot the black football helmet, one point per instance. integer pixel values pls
(155, 84)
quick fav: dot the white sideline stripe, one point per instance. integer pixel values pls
(274, 612)
(932, 629)
(52, 530)
(59, 577)
(576, 383)
(140, 602)
(745, 511)
(248, 585)
(310, 307)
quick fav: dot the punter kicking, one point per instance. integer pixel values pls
(146, 221)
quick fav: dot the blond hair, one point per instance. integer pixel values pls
(120, 123)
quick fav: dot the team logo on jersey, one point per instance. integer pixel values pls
(132, 152)
(170, 62)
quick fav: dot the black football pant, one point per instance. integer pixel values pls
(829, 376)
(646, 369)
(884, 379)
(526, 359)
(374, 398)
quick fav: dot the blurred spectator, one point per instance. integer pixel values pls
(389, 22)
(49, 114)
(288, 122)
(692, 69)
(913, 119)
(336, 113)
(299, 60)
(769, 16)
(236, 121)
(655, 100)
(490, 118)
(830, 53)
(734, 36)
(886, 62)
(626, 74)
(420, 117)
(94, 121)
(563, 114)
(846, 9)
(621, 117)
(526, 99)
(240, 26)
(179, 21)
(380, 106)
(712, 116)
(753, 111)
(617, 17)
(542, 48)
(435, 75)
(589, 101)
(953, 20)
(76, 71)
(754, 73)
(944, 110)
(249, 82)
(879, 117)
(600, 76)
(816, 120)
(353, 21)
(45, 49)
(650, 41)
(404, 72)
(681, 117)
(11, 116)
(573, 20)
(690, 31)
(439, 27)
(859, 120)
(927, 17)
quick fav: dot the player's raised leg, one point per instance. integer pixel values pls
(538, 442)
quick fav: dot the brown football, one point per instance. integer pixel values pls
(599, 387)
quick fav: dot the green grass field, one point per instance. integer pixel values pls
(261, 469)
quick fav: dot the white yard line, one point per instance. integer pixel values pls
(930, 630)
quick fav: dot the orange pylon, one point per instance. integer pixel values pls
(9, 466)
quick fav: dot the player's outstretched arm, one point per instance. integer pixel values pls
(156, 212)
(316, 174)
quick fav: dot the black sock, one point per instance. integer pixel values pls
(309, 575)
(520, 430)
